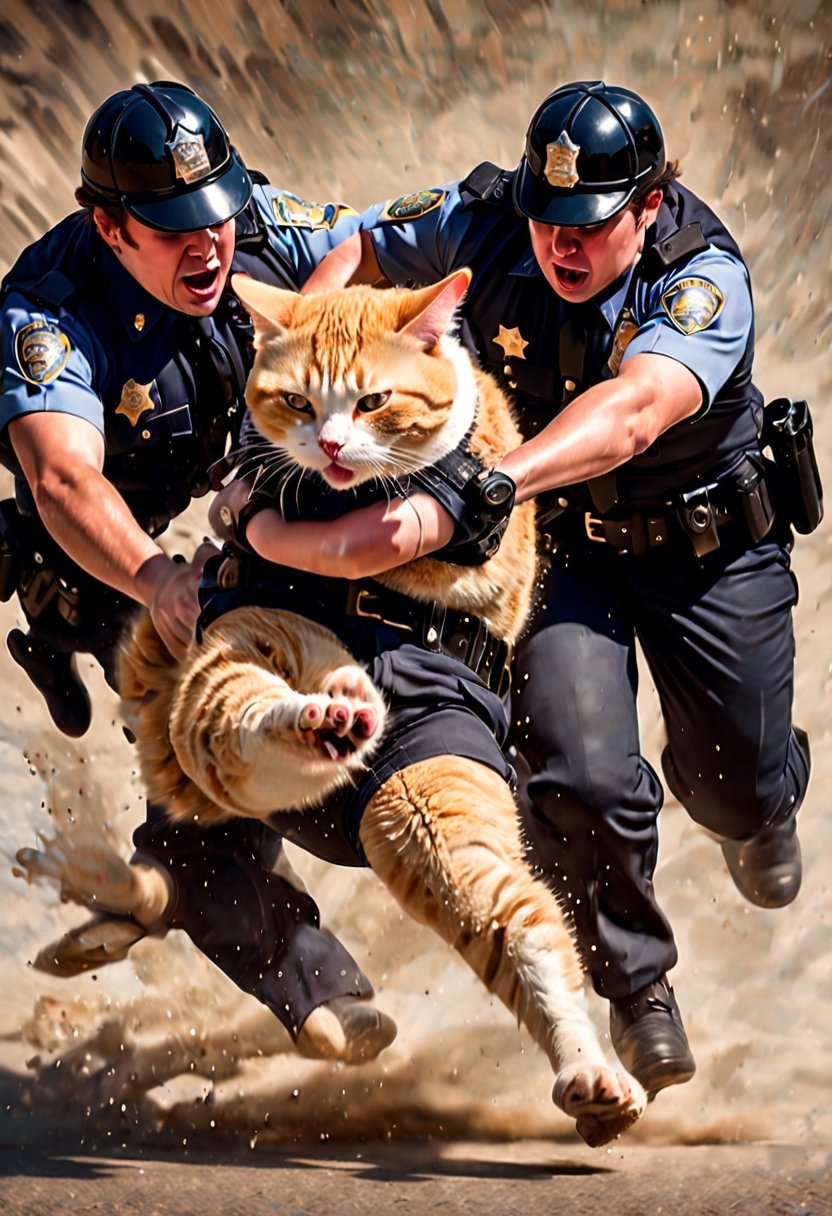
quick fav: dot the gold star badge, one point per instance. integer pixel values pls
(512, 342)
(135, 401)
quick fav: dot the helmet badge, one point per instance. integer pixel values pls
(561, 160)
(189, 156)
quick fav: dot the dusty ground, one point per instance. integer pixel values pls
(153, 1086)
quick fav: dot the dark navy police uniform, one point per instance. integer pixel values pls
(668, 551)
(80, 336)
(442, 674)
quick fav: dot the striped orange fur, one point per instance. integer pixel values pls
(376, 376)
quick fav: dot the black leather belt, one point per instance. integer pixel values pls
(642, 531)
(460, 635)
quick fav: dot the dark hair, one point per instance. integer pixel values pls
(86, 199)
(668, 174)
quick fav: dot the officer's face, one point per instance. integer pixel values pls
(185, 270)
(578, 263)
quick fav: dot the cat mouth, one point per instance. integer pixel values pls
(338, 474)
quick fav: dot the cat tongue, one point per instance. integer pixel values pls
(337, 472)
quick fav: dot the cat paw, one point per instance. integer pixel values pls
(347, 716)
(603, 1102)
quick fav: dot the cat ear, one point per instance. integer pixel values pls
(428, 313)
(270, 308)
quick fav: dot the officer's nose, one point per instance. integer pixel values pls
(564, 240)
(205, 240)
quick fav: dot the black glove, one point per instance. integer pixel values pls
(479, 501)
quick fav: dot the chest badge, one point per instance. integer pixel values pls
(512, 342)
(135, 401)
(693, 304)
(623, 336)
(560, 169)
(42, 350)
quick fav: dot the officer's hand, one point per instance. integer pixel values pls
(174, 606)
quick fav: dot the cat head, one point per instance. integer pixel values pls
(359, 383)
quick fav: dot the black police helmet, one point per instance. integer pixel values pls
(161, 153)
(589, 147)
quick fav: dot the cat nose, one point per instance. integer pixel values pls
(329, 447)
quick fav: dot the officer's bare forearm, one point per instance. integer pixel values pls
(93, 525)
(358, 545)
(605, 426)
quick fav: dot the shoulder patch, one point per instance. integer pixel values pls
(692, 304)
(41, 349)
(296, 212)
(412, 206)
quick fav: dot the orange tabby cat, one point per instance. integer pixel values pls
(269, 711)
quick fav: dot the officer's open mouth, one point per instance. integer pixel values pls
(203, 280)
(568, 277)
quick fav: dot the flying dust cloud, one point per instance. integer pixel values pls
(360, 100)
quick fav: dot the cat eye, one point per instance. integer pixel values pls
(371, 401)
(297, 402)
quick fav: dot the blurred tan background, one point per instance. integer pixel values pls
(360, 100)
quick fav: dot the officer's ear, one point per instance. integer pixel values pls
(650, 210)
(108, 228)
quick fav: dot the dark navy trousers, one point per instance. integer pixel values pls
(718, 640)
(253, 923)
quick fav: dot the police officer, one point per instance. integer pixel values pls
(615, 307)
(125, 356)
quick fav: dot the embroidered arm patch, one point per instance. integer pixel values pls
(693, 304)
(41, 349)
(412, 206)
(298, 213)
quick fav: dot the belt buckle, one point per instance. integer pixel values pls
(594, 527)
(357, 605)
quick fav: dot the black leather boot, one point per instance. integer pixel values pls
(767, 868)
(649, 1039)
(54, 675)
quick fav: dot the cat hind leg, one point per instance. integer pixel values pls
(443, 835)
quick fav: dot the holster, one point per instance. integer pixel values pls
(10, 549)
(65, 607)
(787, 431)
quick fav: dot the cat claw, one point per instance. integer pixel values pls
(345, 716)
